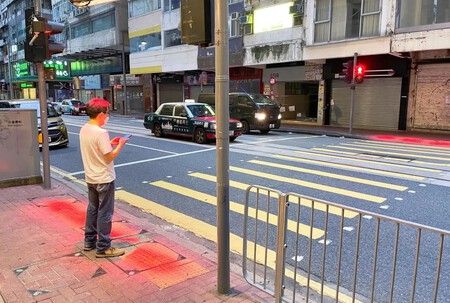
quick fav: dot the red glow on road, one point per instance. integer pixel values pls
(412, 140)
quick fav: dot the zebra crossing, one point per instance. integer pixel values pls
(376, 175)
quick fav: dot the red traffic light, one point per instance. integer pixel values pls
(360, 70)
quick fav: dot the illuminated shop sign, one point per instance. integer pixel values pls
(25, 71)
(61, 68)
(273, 18)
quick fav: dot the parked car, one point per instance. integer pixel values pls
(73, 107)
(57, 131)
(196, 120)
(5, 104)
(255, 111)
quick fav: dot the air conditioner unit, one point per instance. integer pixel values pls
(298, 8)
(247, 29)
(246, 19)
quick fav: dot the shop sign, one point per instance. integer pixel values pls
(109, 65)
(61, 68)
(26, 85)
(168, 78)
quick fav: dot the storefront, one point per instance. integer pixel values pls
(169, 88)
(296, 89)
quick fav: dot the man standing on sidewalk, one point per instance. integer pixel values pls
(98, 153)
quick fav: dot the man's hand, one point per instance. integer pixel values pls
(116, 140)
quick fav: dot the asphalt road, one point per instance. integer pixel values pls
(175, 179)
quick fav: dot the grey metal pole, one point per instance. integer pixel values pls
(124, 73)
(352, 96)
(222, 145)
(10, 75)
(43, 108)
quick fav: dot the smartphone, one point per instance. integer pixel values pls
(127, 136)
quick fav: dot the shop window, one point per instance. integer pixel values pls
(171, 5)
(423, 12)
(172, 37)
(144, 43)
(141, 7)
(346, 19)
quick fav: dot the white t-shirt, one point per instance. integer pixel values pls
(94, 143)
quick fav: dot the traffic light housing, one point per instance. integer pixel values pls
(39, 45)
(35, 41)
(347, 71)
(196, 22)
(360, 70)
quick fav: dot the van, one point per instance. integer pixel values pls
(57, 131)
(255, 111)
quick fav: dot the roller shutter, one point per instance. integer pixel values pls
(432, 99)
(377, 104)
(170, 92)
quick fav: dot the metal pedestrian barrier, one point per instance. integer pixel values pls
(297, 247)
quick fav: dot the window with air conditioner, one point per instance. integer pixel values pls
(346, 19)
(235, 29)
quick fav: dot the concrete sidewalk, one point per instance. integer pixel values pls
(42, 258)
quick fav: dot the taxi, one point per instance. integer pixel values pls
(196, 120)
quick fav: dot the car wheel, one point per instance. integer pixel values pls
(200, 136)
(157, 130)
(264, 131)
(232, 139)
(245, 127)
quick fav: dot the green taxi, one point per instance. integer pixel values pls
(195, 120)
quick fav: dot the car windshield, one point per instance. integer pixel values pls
(76, 103)
(261, 99)
(51, 111)
(201, 110)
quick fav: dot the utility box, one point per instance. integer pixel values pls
(19, 150)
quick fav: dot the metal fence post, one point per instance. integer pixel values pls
(281, 247)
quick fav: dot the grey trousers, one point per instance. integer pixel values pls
(99, 216)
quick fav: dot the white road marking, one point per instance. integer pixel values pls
(297, 258)
(168, 177)
(422, 185)
(398, 199)
(152, 159)
(155, 149)
(348, 228)
(323, 241)
(384, 206)
(412, 191)
(118, 188)
(368, 217)
(281, 139)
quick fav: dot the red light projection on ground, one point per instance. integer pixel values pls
(412, 140)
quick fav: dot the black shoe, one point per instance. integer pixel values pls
(88, 247)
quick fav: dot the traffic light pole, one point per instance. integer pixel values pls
(43, 108)
(222, 145)
(352, 96)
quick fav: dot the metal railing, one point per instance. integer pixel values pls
(297, 247)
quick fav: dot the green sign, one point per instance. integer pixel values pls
(61, 68)
(24, 71)
(26, 85)
(109, 65)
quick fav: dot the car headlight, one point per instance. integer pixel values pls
(279, 116)
(260, 116)
(239, 125)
